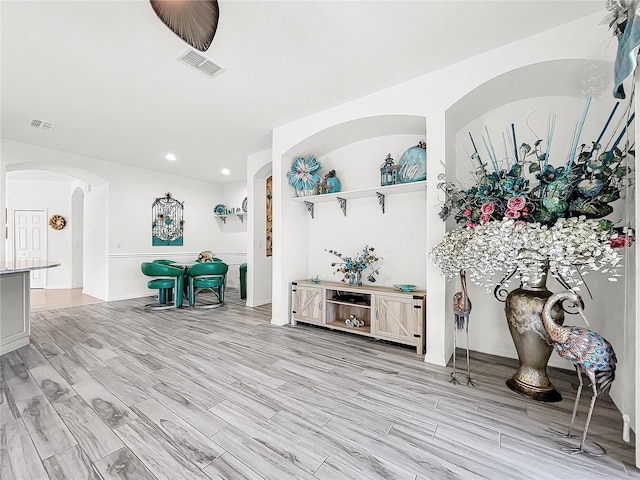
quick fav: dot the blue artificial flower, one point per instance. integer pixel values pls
(303, 174)
(515, 185)
(550, 174)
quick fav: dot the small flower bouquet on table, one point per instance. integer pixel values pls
(352, 267)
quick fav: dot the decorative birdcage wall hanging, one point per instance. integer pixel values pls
(167, 221)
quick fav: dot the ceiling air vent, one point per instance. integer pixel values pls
(41, 124)
(199, 62)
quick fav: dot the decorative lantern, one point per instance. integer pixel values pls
(387, 172)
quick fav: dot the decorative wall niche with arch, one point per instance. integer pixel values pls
(355, 149)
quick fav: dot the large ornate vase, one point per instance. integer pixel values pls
(523, 309)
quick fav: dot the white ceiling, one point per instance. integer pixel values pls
(105, 72)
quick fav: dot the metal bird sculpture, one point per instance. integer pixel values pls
(590, 353)
(461, 312)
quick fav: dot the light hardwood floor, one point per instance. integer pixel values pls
(113, 391)
(50, 299)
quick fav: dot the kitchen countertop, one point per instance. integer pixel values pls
(25, 266)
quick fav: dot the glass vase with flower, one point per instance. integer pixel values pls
(352, 268)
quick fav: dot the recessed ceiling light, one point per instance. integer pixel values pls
(225, 171)
(171, 157)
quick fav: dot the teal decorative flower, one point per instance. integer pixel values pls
(303, 174)
(515, 185)
(551, 174)
(592, 178)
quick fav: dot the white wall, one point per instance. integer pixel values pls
(397, 235)
(117, 216)
(259, 266)
(53, 196)
(95, 261)
(77, 236)
(432, 96)
(231, 243)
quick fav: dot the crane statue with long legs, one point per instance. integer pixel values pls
(590, 353)
(461, 312)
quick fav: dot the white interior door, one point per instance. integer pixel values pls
(30, 241)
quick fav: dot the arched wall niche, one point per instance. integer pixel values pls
(341, 134)
(567, 77)
(571, 81)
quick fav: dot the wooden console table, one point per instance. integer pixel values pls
(388, 313)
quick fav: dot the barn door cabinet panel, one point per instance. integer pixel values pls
(307, 304)
(382, 312)
(399, 319)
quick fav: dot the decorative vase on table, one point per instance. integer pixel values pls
(523, 308)
(355, 279)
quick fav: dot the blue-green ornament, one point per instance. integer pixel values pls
(413, 164)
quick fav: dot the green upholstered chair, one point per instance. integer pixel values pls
(207, 276)
(166, 294)
(165, 277)
(163, 261)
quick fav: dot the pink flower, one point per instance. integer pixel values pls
(512, 213)
(519, 222)
(466, 213)
(470, 224)
(621, 241)
(484, 218)
(487, 208)
(516, 203)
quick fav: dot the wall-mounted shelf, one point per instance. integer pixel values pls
(342, 197)
(223, 217)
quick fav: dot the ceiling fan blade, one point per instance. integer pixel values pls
(194, 21)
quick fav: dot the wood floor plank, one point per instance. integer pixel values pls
(258, 457)
(156, 454)
(49, 433)
(52, 384)
(227, 394)
(19, 458)
(188, 388)
(292, 448)
(227, 467)
(70, 464)
(8, 409)
(19, 382)
(123, 465)
(94, 437)
(189, 441)
(128, 393)
(99, 350)
(250, 402)
(70, 370)
(199, 417)
(31, 356)
(332, 469)
(132, 373)
(108, 407)
(344, 450)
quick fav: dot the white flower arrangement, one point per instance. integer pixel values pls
(572, 247)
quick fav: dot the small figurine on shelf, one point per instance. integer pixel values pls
(389, 172)
(333, 183)
(330, 183)
(354, 321)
